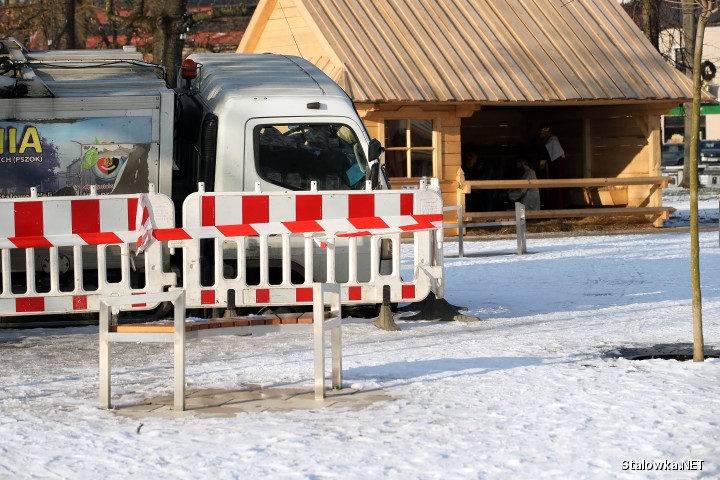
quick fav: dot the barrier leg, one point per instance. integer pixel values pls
(461, 232)
(320, 326)
(520, 228)
(179, 347)
(104, 357)
(336, 335)
(319, 340)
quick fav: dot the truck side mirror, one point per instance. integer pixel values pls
(372, 173)
(374, 149)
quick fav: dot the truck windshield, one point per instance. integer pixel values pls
(292, 156)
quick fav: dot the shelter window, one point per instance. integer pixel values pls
(409, 148)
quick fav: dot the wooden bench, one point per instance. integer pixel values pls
(180, 331)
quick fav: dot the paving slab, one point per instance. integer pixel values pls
(214, 403)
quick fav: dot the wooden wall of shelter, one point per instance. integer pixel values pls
(486, 74)
(600, 141)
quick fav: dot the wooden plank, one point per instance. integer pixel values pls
(568, 182)
(600, 212)
(256, 27)
(663, 212)
(142, 328)
(450, 171)
(221, 323)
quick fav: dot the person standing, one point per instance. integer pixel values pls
(556, 165)
(530, 197)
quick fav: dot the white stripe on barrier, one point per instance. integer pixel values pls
(7, 225)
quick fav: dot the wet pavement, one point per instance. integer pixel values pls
(665, 351)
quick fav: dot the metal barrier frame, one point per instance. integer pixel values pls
(323, 294)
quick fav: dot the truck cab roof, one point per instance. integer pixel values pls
(231, 75)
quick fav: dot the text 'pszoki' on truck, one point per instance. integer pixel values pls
(254, 178)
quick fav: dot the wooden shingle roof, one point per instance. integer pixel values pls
(484, 51)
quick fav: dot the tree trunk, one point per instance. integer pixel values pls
(168, 43)
(689, 30)
(698, 343)
(651, 21)
(67, 35)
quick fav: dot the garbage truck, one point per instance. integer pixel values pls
(79, 123)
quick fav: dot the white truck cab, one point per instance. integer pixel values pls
(273, 120)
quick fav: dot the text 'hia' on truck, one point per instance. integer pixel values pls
(105, 122)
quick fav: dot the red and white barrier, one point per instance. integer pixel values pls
(291, 231)
(53, 222)
(55, 254)
(62, 254)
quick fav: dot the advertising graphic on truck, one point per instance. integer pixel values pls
(68, 157)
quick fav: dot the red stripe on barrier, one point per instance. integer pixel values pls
(418, 226)
(354, 293)
(30, 304)
(262, 295)
(207, 211)
(368, 222)
(132, 204)
(85, 216)
(207, 297)
(408, 291)
(303, 226)
(101, 238)
(256, 209)
(303, 294)
(363, 233)
(424, 222)
(79, 302)
(29, 219)
(428, 217)
(308, 207)
(138, 305)
(31, 242)
(145, 214)
(166, 234)
(362, 205)
(406, 203)
(240, 230)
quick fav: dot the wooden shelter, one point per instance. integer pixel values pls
(435, 79)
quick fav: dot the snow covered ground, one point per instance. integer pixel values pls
(528, 392)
